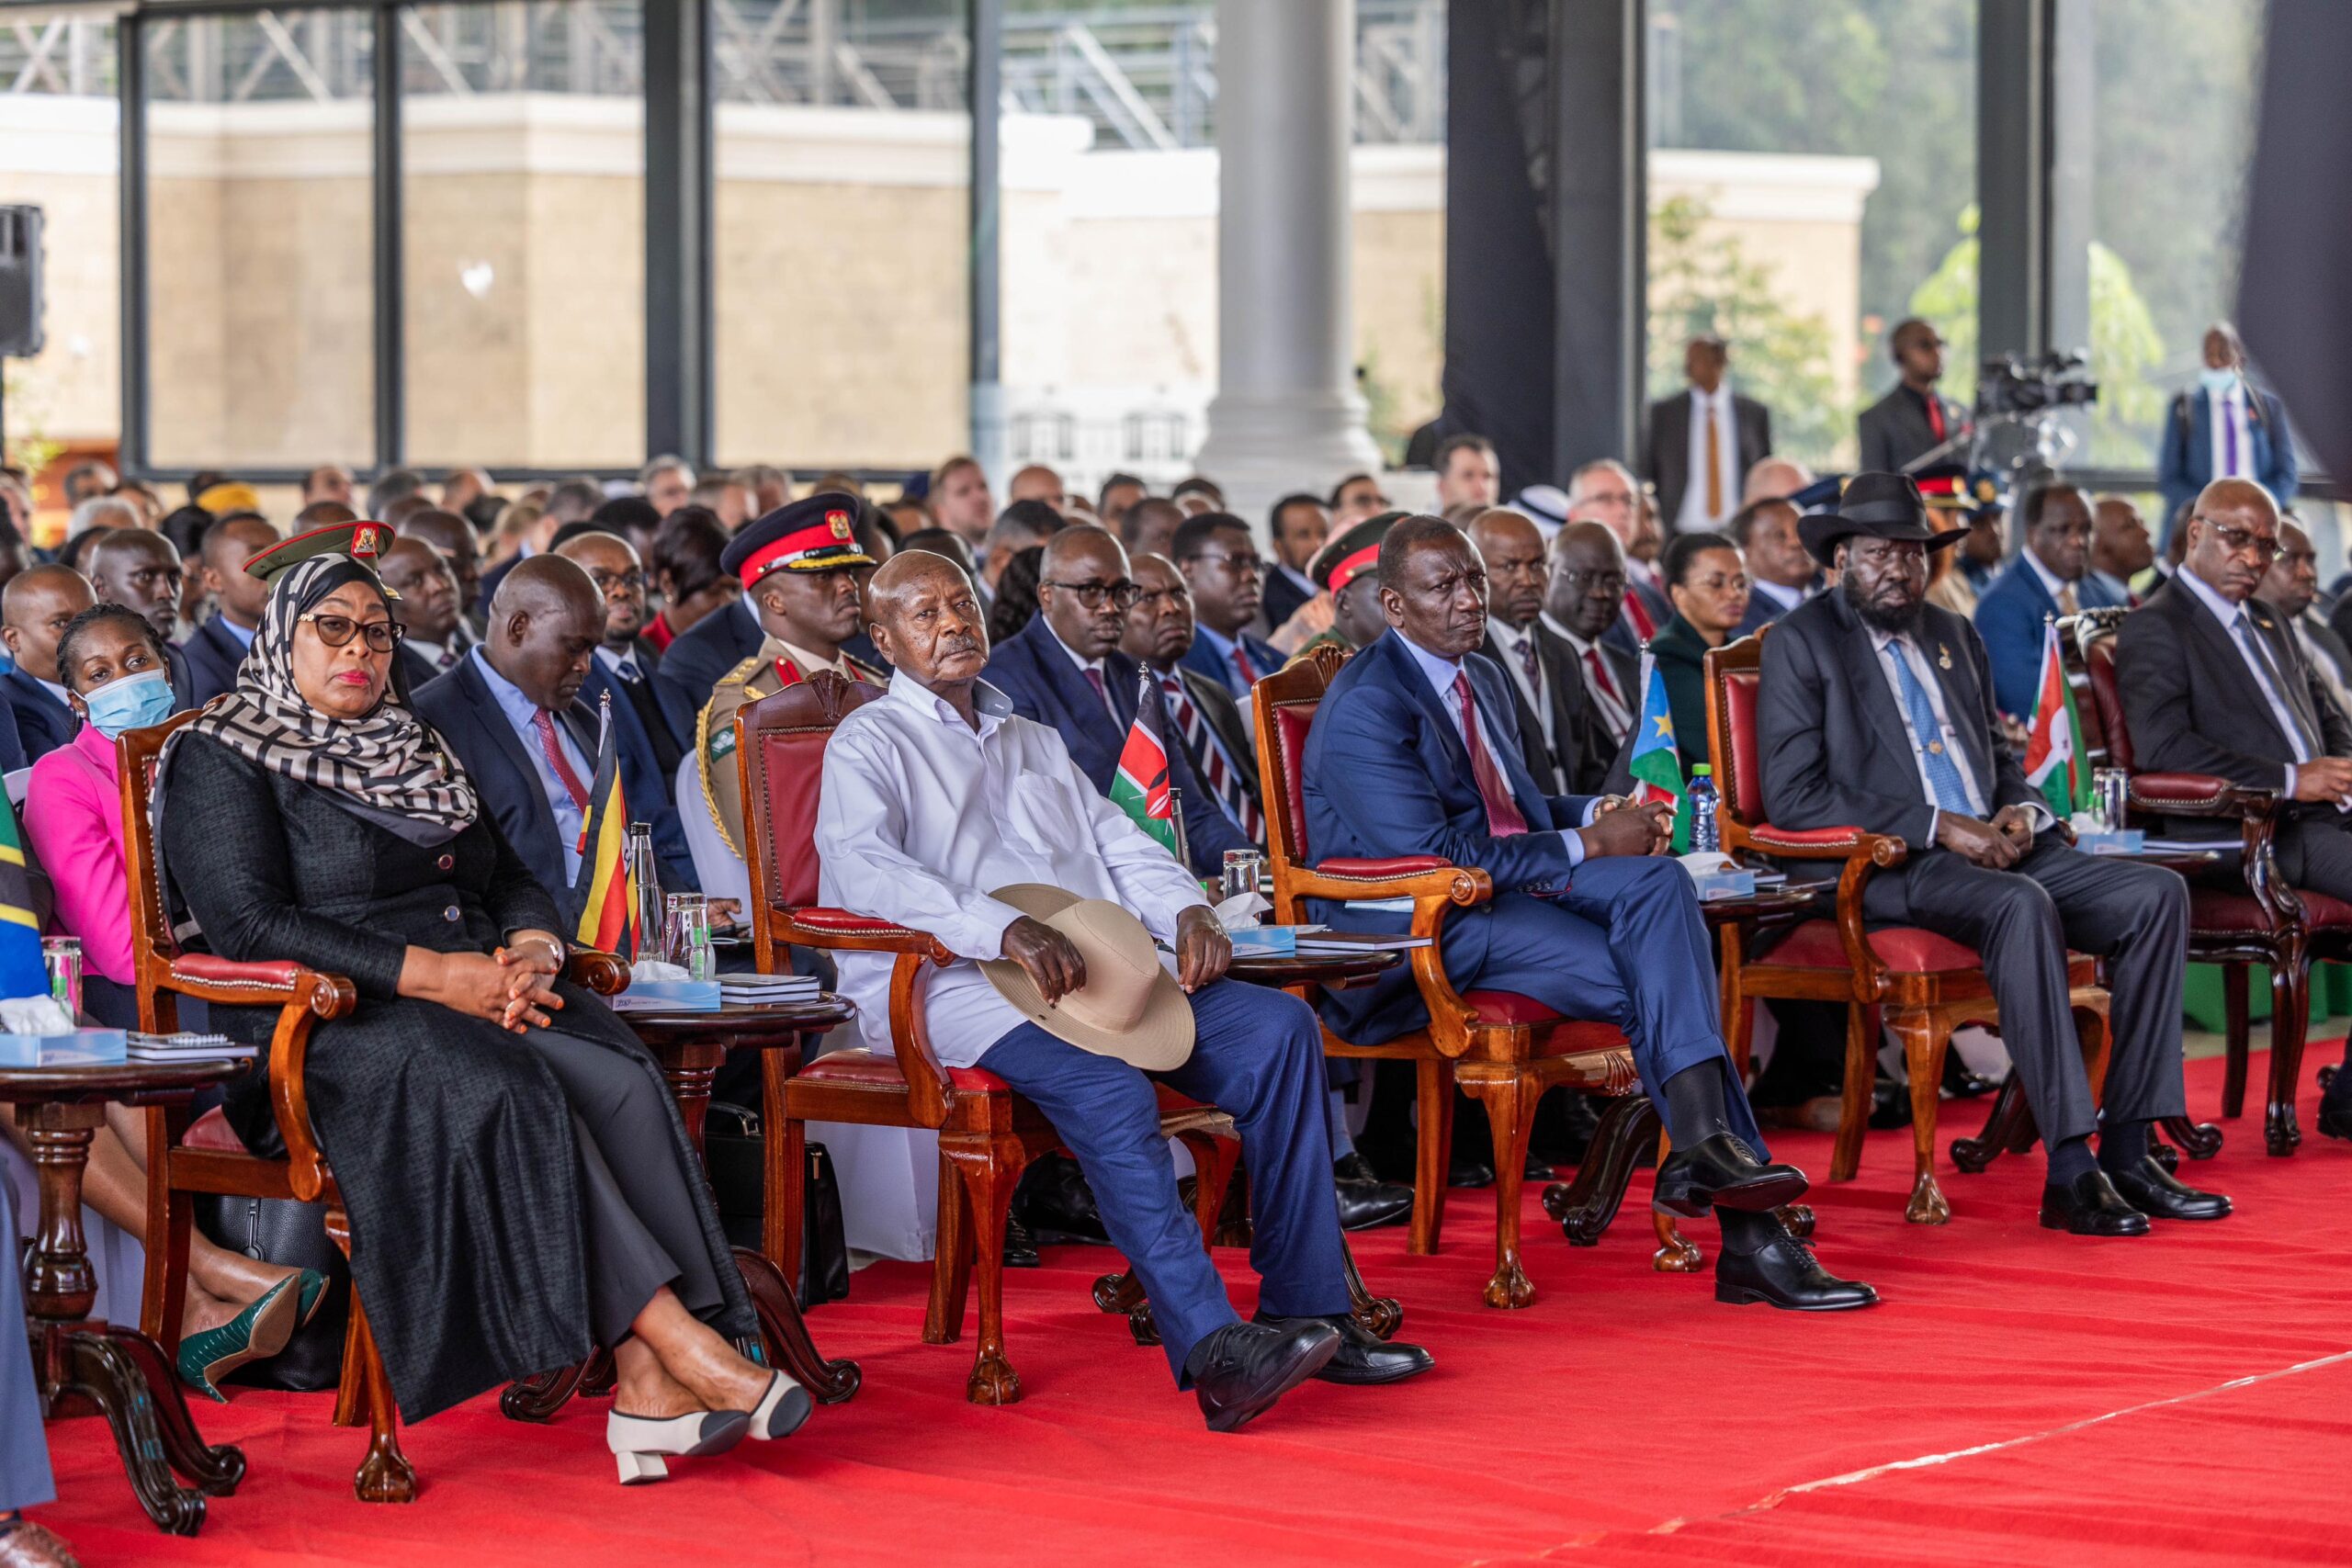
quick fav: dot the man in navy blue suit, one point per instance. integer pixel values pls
(1783, 575)
(1064, 669)
(2051, 576)
(2223, 428)
(511, 711)
(1415, 751)
(218, 649)
(1221, 565)
(34, 611)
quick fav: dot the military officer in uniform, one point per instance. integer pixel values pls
(1344, 568)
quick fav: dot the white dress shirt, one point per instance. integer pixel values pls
(2231, 617)
(2225, 415)
(1514, 642)
(1786, 598)
(1705, 408)
(921, 817)
(622, 663)
(1891, 646)
(1616, 712)
(2052, 583)
(1440, 673)
(2331, 675)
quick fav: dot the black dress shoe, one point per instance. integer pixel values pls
(1784, 1273)
(1362, 1356)
(1722, 1169)
(1054, 1202)
(1244, 1368)
(1353, 1167)
(2155, 1192)
(1020, 1246)
(1539, 1167)
(2335, 1115)
(2090, 1206)
(1469, 1172)
(1961, 1084)
(1368, 1205)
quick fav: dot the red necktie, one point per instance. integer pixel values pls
(1241, 662)
(1502, 812)
(1613, 711)
(1935, 415)
(544, 722)
(1101, 693)
(1638, 612)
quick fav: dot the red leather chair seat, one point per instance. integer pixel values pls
(2212, 910)
(211, 1131)
(1508, 1007)
(1904, 949)
(869, 1070)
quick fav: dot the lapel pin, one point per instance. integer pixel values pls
(1944, 656)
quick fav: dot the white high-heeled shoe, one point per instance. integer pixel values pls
(638, 1442)
(781, 1409)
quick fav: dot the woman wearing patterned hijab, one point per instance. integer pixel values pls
(518, 1182)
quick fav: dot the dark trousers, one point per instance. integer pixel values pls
(24, 1442)
(2315, 852)
(1625, 945)
(2022, 921)
(1258, 1055)
(642, 1232)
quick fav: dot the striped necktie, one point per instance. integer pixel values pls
(1209, 758)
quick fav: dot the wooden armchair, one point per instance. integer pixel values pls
(2260, 920)
(1506, 1049)
(987, 1135)
(184, 1159)
(1926, 985)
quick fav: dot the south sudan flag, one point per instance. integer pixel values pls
(22, 973)
(608, 919)
(1140, 787)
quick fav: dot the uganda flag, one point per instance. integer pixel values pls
(22, 973)
(608, 919)
(1140, 787)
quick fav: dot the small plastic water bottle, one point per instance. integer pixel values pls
(1705, 837)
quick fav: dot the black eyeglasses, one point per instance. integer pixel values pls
(337, 630)
(1575, 578)
(1095, 592)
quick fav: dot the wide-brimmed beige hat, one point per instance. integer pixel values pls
(1130, 1008)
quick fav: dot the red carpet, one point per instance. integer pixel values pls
(2185, 1398)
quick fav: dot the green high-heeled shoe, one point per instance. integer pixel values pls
(259, 1332)
(315, 1291)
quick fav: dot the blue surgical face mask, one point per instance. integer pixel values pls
(132, 702)
(2218, 381)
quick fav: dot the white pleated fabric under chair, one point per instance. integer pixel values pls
(117, 1257)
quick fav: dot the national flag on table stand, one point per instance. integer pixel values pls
(1140, 786)
(608, 916)
(22, 971)
(1656, 762)
(2053, 746)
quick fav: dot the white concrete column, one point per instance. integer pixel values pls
(1286, 415)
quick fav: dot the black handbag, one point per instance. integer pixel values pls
(279, 1230)
(735, 1155)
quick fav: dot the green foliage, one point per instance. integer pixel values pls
(1703, 283)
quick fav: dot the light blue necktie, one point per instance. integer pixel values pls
(1943, 775)
(2273, 687)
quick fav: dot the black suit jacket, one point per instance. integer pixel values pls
(1281, 600)
(213, 656)
(1831, 738)
(43, 723)
(1553, 771)
(2194, 707)
(1669, 459)
(694, 661)
(183, 680)
(1582, 735)
(459, 706)
(1895, 429)
(1233, 727)
(653, 707)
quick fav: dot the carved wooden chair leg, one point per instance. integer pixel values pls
(951, 1259)
(2198, 1140)
(786, 1181)
(1924, 1040)
(214, 1469)
(100, 1370)
(1584, 1206)
(170, 1218)
(1854, 1107)
(2238, 1026)
(1434, 1153)
(598, 1374)
(2091, 1029)
(2001, 1133)
(2289, 1021)
(1121, 1294)
(1509, 1094)
(1676, 1254)
(1798, 1218)
(784, 1333)
(991, 1166)
(538, 1398)
(365, 1395)
(1380, 1315)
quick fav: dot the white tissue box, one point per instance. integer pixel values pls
(669, 996)
(2128, 842)
(83, 1048)
(1264, 941)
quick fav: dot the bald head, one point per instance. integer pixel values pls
(1586, 584)
(545, 624)
(2233, 537)
(34, 611)
(1514, 550)
(927, 623)
(1081, 580)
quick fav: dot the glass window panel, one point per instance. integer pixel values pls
(58, 115)
(260, 267)
(1813, 181)
(840, 269)
(1397, 183)
(523, 232)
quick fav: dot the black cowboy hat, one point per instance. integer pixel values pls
(1882, 506)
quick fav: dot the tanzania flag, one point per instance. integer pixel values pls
(1140, 786)
(1656, 764)
(22, 972)
(608, 917)
(2053, 745)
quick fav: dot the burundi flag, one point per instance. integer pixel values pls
(1656, 764)
(2053, 746)
(22, 972)
(1140, 787)
(609, 915)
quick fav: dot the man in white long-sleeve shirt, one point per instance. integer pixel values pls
(940, 793)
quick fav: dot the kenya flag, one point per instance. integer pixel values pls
(2053, 747)
(1140, 787)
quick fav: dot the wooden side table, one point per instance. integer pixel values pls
(690, 1048)
(83, 1366)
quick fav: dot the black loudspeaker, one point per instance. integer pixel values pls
(20, 335)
